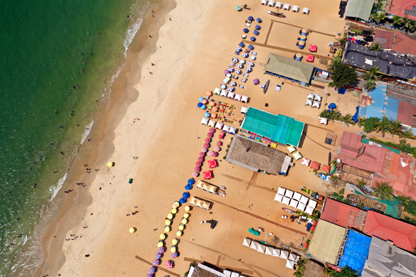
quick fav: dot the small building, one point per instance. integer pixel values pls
(402, 8)
(359, 10)
(376, 103)
(326, 242)
(400, 233)
(343, 215)
(289, 69)
(396, 41)
(257, 156)
(268, 128)
(355, 251)
(385, 259)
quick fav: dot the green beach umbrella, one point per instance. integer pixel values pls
(238, 8)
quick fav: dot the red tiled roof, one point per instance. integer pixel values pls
(402, 234)
(403, 43)
(384, 38)
(360, 155)
(342, 214)
(397, 7)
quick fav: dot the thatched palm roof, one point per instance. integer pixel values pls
(255, 155)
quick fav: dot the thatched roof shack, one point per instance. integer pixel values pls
(255, 155)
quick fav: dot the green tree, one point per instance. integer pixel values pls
(383, 125)
(370, 85)
(372, 74)
(383, 191)
(397, 21)
(370, 124)
(405, 200)
(376, 47)
(361, 184)
(347, 119)
(408, 24)
(395, 127)
(343, 75)
(378, 17)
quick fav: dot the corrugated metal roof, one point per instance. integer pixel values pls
(405, 113)
(326, 241)
(402, 234)
(359, 9)
(384, 38)
(378, 104)
(355, 251)
(343, 215)
(289, 68)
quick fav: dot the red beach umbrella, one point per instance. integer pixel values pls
(168, 264)
(212, 130)
(198, 164)
(219, 143)
(200, 160)
(202, 154)
(211, 153)
(217, 148)
(209, 135)
(206, 145)
(204, 150)
(195, 174)
(208, 140)
(197, 169)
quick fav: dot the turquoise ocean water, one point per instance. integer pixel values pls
(57, 58)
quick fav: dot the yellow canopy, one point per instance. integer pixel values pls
(173, 249)
(175, 242)
(167, 229)
(160, 244)
(179, 233)
(174, 211)
(170, 216)
(181, 227)
(184, 221)
(186, 215)
(176, 204)
(168, 222)
(110, 164)
(187, 208)
(162, 236)
(132, 230)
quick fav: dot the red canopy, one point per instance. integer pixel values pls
(326, 168)
(310, 58)
(315, 165)
(313, 48)
(207, 175)
(212, 163)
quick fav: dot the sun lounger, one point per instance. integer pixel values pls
(297, 155)
(270, 4)
(264, 2)
(279, 5)
(305, 11)
(295, 9)
(286, 7)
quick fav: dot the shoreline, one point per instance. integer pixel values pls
(76, 203)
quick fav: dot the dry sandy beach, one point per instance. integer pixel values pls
(191, 53)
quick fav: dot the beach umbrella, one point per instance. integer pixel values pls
(210, 153)
(248, 69)
(229, 75)
(186, 195)
(241, 44)
(199, 160)
(161, 250)
(223, 86)
(230, 70)
(245, 55)
(168, 222)
(238, 71)
(160, 244)
(258, 27)
(156, 262)
(194, 174)
(191, 181)
(207, 114)
(168, 264)
(205, 101)
(152, 270)
(182, 200)
(169, 216)
(217, 148)
(233, 84)
(198, 164)
(235, 59)
(208, 140)
(242, 61)
(203, 107)
(173, 249)
(189, 187)
(149, 275)
(240, 66)
(212, 130)
(162, 236)
(209, 135)
(239, 8)
(219, 143)
(253, 58)
(206, 145)
(181, 227)
(253, 39)
(167, 229)
(174, 211)
(199, 105)
(204, 150)
(215, 154)
(231, 89)
(250, 18)
(201, 99)
(187, 208)
(132, 230)
(245, 30)
(209, 93)
(250, 63)
(175, 205)
(184, 221)
(201, 154)
(179, 233)
(256, 32)
(158, 255)
(174, 255)
(251, 47)
(110, 164)
(259, 20)
(215, 109)
(213, 115)
(175, 241)
(186, 215)
(239, 49)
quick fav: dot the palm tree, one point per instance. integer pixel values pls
(361, 184)
(376, 47)
(370, 85)
(372, 74)
(377, 17)
(383, 125)
(383, 191)
(347, 119)
(408, 24)
(398, 21)
(395, 127)
(407, 133)
(404, 199)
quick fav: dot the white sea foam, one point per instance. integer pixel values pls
(131, 32)
(87, 132)
(55, 189)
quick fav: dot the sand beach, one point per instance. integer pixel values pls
(152, 115)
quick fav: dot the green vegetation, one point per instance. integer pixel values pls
(346, 272)
(378, 17)
(370, 85)
(402, 146)
(408, 24)
(397, 21)
(409, 206)
(343, 74)
(376, 47)
(336, 115)
(383, 191)
(300, 268)
(384, 125)
(372, 74)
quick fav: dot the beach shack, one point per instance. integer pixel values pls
(271, 129)
(257, 156)
(289, 69)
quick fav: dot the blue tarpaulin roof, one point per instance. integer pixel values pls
(355, 251)
(381, 104)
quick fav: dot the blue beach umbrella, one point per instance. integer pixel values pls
(191, 181)
(188, 187)
(245, 55)
(182, 200)
(223, 86)
(186, 195)
(241, 44)
(199, 105)
(203, 107)
(201, 99)
(253, 39)
(258, 27)
(245, 30)
(251, 47)
(235, 59)
(256, 32)
(259, 20)
(207, 114)
(251, 18)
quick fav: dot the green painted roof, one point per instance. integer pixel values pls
(278, 128)
(289, 68)
(359, 9)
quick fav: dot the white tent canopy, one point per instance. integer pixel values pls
(254, 244)
(261, 248)
(316, 104)
(290, 264)
(244, 110)
(284, 254)
(271, 3)
(293, 257)
(278, 198)
(269, 251)
(295, 9)
(226, 128)
(312, 203)
(289, 193)
(294, 203)
(217, 91)
(218, 125)
(323, 120)
(310, 96)
(281, 191)
(304, 199)
(308, 102)
(231, 95)
(286, 200)
(318, 98)
(232, 130)
(301, 206)
(247, 242)
(263, 2)
(204, 121)
(211, 123)
(237, 97)
(297, 196)
(224, 93)
(276, 252)
(286, 6)
(279, 5)
(305, 11)
(244, 99)
(309, 210)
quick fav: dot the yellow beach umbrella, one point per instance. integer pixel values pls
(176, 204)
(175, 242)
(167, 229)
(170, 216)
(187, 208)
(173, 249)
(162, 236)
(184, 221)
(168, 222)
(110, 164)
(160, 244)
(179, 233)
(181, 227)
(174, 211)
(186, 215)
(132, 230)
